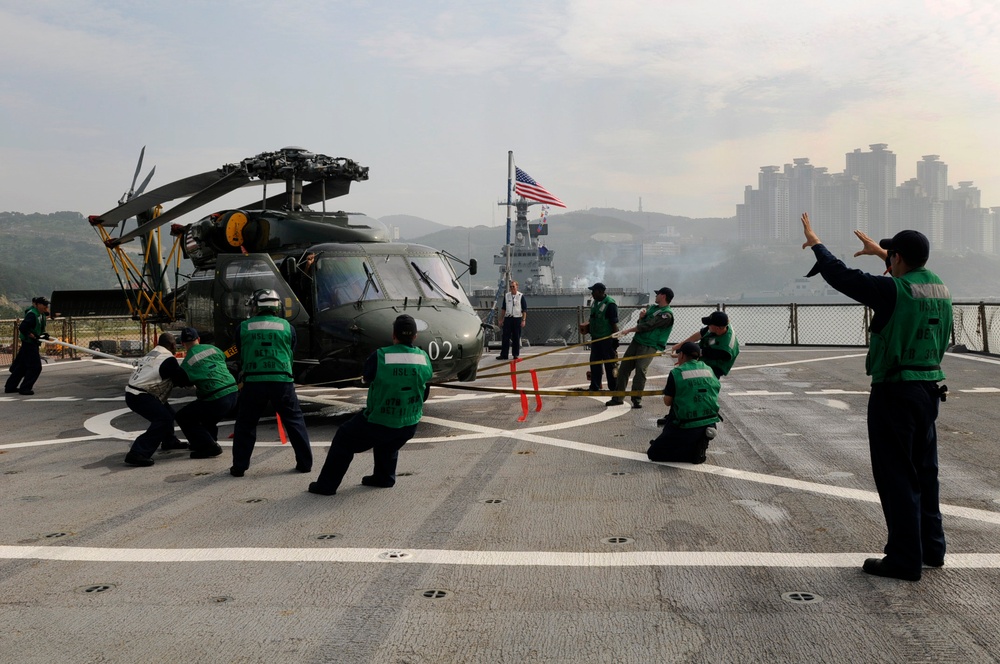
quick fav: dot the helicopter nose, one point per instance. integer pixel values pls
(453, 339)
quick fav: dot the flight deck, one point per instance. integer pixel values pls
(548, 540)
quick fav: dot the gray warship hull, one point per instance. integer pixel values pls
(555, 312)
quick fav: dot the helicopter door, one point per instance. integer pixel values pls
(236, 278)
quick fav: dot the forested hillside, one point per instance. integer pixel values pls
(40, 253)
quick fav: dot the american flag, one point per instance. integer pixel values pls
(525, 186)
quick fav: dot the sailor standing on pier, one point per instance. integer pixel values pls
(910, 331)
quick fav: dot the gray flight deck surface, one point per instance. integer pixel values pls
(551, 540)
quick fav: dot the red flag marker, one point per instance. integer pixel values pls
(538, 397)
(281, 430)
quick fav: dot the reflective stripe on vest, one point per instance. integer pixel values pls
(266, 350)
(914, 340)
(696, 396)
(396, 396)
(146, 377)
(206, 367)
(658, 336)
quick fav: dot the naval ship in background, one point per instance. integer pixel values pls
(529, 263)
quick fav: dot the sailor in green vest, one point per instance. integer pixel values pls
(692, 393)
(911, 329)
(27, 366)
(398, 377)
(651, 336)
(603, 323)
(719, 346)
(205, 368)
(266, 343)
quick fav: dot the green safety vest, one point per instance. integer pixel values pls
(600, 326)
(912, 343)
(696, 397)
(39, 326)
(206, 367)
(396, 396)
(726, 342)
(266, 349)
(658, 336)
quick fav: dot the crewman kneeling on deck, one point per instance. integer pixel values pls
(146, 395)
(692, 393)
(205, 367)
(398, 376)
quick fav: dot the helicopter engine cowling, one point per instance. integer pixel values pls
(234, 231)
(274, 232)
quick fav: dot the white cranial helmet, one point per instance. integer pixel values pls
(265, 298)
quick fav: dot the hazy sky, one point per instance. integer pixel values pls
(680, 103)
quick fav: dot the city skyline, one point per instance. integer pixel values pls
(867, 195)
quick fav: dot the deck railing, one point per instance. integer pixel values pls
(976, 324)
(976, 327)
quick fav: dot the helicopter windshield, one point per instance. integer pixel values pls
(442, 278)
(342, 279)
(396, 275)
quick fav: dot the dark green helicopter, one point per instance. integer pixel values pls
(342, 284)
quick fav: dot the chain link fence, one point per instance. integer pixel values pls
(977, 325)
(113, 335)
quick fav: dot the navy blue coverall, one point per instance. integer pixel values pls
(27, 366)
(902, 435)
(359, 435)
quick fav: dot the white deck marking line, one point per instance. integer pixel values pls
(55, 399)
(101, 426)
(862, 495)
(54, 441)
(784, 364)
(395, 556)
(974, 358)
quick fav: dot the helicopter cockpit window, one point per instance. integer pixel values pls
(343, 280)
(441, 277)
(397, 277)
(243, 277)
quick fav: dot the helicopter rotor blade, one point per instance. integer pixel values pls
(234, 180)
(142, 187)
(138, 167)
(186, 187)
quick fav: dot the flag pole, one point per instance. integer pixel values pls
(510, 188)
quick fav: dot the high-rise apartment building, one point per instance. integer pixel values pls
(865, 197)
(841, 207)
(876, 170)
(932, 174)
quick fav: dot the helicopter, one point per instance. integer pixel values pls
(342, 283)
